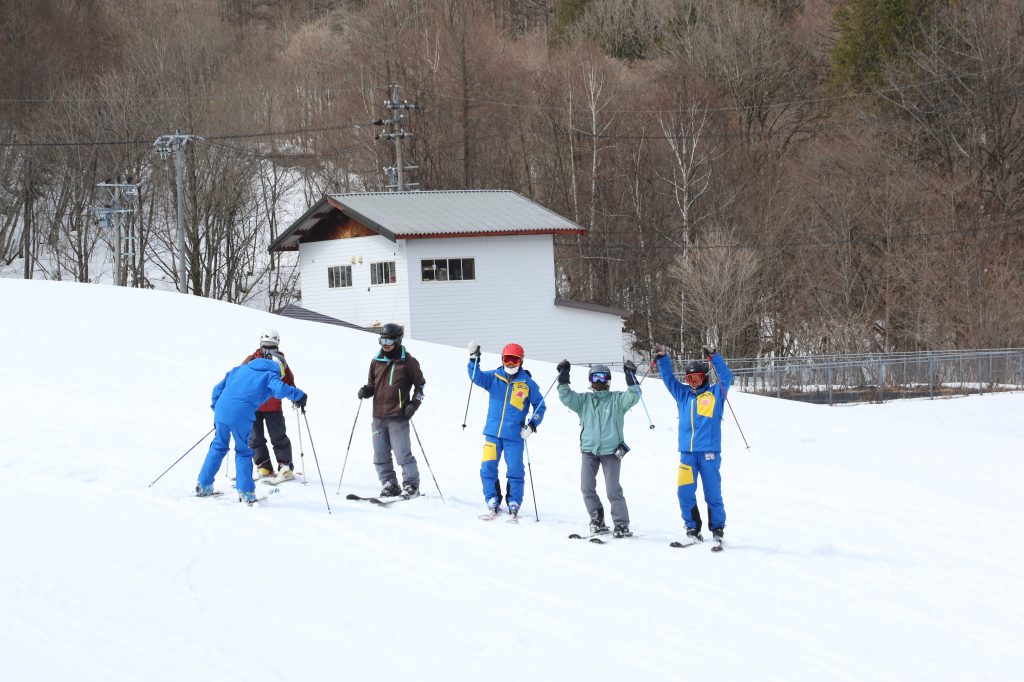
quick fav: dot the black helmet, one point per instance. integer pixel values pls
(393, 332)
(698, 367)
(604, 375)
(695, 366)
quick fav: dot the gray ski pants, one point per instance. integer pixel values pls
(278, 438)
(611, 465)
(392, 434)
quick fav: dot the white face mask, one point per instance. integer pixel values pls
(511, 370)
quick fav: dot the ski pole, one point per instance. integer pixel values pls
(313, 448)
(737, 423)
(302, 455)
(345, 462)
(427, 461)
(637, 384)
(181, 458)
(471, 382)
(529, 467)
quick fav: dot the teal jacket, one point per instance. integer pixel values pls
(601, 416)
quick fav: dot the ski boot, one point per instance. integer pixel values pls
(410, 489)
(285, 472)
(248, 498)
(264, 472)
(694, 535)
(718, 535)
(513, 512)
(622, 531)
(597, 523)
(390, 489)
(204, 490)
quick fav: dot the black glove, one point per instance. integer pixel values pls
(301, 402)
(410, 410)
(563, 371)
(528, 429)
(365, 392)
(658, 350)
(630, 370)
(708, 349)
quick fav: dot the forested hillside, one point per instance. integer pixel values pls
(769, 175)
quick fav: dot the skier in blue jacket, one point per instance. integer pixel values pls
(234, 404)
(701, 407)
(512, 391)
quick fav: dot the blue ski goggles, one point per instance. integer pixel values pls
(600, 377)
(385, 341)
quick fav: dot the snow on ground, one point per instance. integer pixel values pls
(873, 542)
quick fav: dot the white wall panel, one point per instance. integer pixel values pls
(511, 299)
(361, 303)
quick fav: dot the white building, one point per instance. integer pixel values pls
(451, 266)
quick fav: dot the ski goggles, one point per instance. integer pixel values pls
(385, 341)
(600, 377)
(695, 378)
(511, 360)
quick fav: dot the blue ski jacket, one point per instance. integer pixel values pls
(246, 387)
(700, 411)
(510, 400)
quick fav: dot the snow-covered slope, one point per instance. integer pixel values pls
(872, 542)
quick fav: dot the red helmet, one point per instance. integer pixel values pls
(513, 349)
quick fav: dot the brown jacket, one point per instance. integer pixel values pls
(397, 381)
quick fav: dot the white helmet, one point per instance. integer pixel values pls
(270, 339)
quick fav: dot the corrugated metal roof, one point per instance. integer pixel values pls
(300, 313)
(452, 212)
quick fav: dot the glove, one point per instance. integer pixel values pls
(563, 371)
(410, 410)
(630, 370)
(474, 350)
(528, 429)
(708, 349)
(301, 402)
(658, 350)
(365, 392)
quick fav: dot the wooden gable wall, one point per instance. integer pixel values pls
(336, 226)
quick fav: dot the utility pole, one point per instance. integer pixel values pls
(122, 200)
(394, 132)
(165, 144)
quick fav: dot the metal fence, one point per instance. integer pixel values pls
(877, 377)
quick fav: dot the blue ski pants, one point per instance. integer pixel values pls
(223, 433)
(494, 448)
(707, 466)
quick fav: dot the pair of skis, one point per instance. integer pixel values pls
(598, 540)
(490, 516)
(382, 502)
(220, 493)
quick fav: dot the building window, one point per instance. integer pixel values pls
(383, 273)
(447, 269)
(339, 276)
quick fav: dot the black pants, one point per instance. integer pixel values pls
(278, 438)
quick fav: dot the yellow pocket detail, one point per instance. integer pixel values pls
(520, 392)
(706, 404)
(490, 452)
(685, 476)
